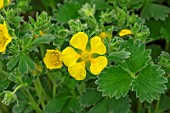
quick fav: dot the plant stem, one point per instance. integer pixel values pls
(33, 103)
(4, 108)
(42, 89)
(167, 46)
(39, 93)
(157, 105)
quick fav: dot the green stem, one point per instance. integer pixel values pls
(39, 93)
(4, 108)
(157, 105)
(42, 49)
(54, 86)
(17, 88)
(167, 46)
(42, 89)
(33, 103)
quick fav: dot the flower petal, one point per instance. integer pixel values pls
(1, 4)
(98, 64)
(124, 32)
(78, 71)
(70, 56)
(79, 40)
(97, 46)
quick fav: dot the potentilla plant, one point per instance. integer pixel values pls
(86, 57)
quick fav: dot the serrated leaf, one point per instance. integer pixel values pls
(164, 104)
(112, 105)
(90, 97)
(13, 62)
(67, 12)
(45, 39)
(55, 105)
(149, 83)
(100, 107)
(114, 81)
(74, 106)
(156, 11)
(165, 29)
(139, 56)
(100, 4)
(119, 56)
(154, 28)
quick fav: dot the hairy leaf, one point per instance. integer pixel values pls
(156, 11)
(149, 83)
(90, 97)
(114, 81)
(112, 105)
(66, 12)
(139, 56)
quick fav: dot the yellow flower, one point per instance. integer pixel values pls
(103, 35)
(2, 3)
(41, 32)
(53, 59)
(5, 39)
(77, 62)
(124, 32)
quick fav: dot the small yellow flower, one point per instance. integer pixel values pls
(53, 59)
(5, 39)
(103, 35)
(77, 62)
(2, 3)
(41, 32)
(124, 32)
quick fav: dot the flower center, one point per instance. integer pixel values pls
(55, 58)
(85, 56)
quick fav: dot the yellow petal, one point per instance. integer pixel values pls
(53, 59)
(70, 56)
(79, 40)
(124, 32)
(5, 39)
(98, 64)
(8, 1)
(78, 71)
(97, 46)
(1, 4)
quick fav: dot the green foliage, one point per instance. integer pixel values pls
(135, 74)
(156, 11)
(132, 81)
(69, 9)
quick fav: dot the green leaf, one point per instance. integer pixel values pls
(45, 39)
(67, 12)
(100, 4)
(165, 29)
(22, 67)
(111, 105)
(100, 107)
(149, 83)
(13, 62)
(156, 11)
(164, 61)
(139, 56)
(30, 63)
(90, 97)
(119, 56)
(154, 28)
(55, 105)
(74, 106)
(164, 104)
(114, 81)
